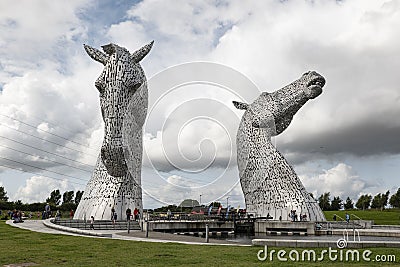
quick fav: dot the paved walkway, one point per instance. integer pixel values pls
(38, 226)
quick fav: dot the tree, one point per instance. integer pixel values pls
(324, 201)
(3, 194)
(78, 197)
(376, 201)
(68, 197)
(54, 198)
(216, 204)
(395, 199)
(18, 205)
(349, 204)
(364, 202)
(336, 203)
(385, 199)
(380, 201)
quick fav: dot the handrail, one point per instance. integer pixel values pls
(339, 217)
(347, 235)
(356, 217)
(358, 233)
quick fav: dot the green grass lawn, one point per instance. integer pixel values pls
(389, 217)
(19, 246)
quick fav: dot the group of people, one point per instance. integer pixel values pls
(347, 217)
(17, 216)
(301, 217)
(129, 216)
(47, 213)
(135, 216)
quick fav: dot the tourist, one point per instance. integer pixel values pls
(135, 213)
(347, 217)
(58, 215)
(112, 213)
(91, 223)
(334, 217)
(169, 213)
(128, 214)
(48, 210)
(71, 214)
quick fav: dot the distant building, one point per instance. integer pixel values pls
(189, 203)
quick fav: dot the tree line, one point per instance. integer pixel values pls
(70, 201)
(366, 201)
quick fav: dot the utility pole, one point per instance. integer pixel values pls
(200, 200)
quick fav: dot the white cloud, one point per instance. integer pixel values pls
(174, 189)
(35, 33)
(46, 78)
(340, 180)
(38, 188)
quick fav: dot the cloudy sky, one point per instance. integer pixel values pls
(206, 54)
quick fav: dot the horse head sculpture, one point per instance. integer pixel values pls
(271, 187)
(116, 181)
(121, 77)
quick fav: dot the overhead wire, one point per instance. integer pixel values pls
(46, 151)
(55, 143)
(59, 136)
(45, 158)
(13, 168)
(43, 169)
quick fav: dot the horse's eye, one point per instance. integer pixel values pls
(135, 87)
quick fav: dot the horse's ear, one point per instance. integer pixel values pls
(139, 54)
(96, 54)
(240, 105)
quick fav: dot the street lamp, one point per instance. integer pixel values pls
(227, 201)
(200, 200)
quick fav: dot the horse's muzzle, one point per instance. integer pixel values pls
(114, 160)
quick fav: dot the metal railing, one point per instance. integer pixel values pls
(182, 216)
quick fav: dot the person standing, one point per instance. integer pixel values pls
(135, 213)
(169, 213)
(48, 210)
(71, 214)
(91, 223)
(347, 217)
(128, 214)
(112, 213)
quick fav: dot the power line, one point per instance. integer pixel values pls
(46, 151)
(39, 168)
(76, 150)
(45, 158)
(9, 167)
(59, 136)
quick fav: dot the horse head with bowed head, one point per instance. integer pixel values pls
(123, 100)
